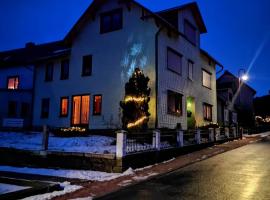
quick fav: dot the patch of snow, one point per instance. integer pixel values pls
(129, 171)
(167, 161)
(66, 173)
(204, 157)
(125, 183)
(7, 188)
(83, 198)
(141, 178)
(67, 188)
(143, 168)
(33, 141)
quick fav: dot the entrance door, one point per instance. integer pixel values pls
(80, 110)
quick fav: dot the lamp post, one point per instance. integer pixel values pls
(242, 75)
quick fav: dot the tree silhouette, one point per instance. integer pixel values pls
(135, 107)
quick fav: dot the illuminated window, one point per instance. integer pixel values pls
(13, 83)
(87, 65)
(97, 105)
(190, 32)
(206, 79)
(190, 69)
(64, 107)
(207, 112)
(111, 21)
(45, 106)
(174, 103)
(64, 69)
(49, 72)
(80, 110)
(25, 108)
(174, 61)
(12, 109)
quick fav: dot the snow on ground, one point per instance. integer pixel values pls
(67, 173)
(33, 141)
(67, 189)
(7, 188)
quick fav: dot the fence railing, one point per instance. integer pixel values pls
(128, 143)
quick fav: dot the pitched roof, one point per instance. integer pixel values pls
(93, 7)
(226, 72)
(32, 53)
(195, 11)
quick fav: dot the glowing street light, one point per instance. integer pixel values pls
(244, 77)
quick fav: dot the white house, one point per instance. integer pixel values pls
(84, 86)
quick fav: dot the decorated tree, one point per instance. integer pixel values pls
(135, 107)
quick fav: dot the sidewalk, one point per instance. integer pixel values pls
(98, 189)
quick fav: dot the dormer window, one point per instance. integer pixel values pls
(111, 21)
(190, 32)
(13, 83)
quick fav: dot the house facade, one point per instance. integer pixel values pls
(235, 101)
(16, 88)
(84, 85)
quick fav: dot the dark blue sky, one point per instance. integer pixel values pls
(237, 29)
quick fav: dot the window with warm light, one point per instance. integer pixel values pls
(80, 110)
(64, 107)
(190, 69)
(206, 79)
(87, 65)
(97, 105)
(174, 103)
(111, 21)
(13, 83)
(45, 106)
(174, 61)
(207, 112)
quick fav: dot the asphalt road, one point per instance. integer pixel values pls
(240, 174)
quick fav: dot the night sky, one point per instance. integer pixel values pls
(238, 30)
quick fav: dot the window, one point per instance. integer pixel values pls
(174, 103)
(97, 105)
(206, 79)
(80, 110)
(45, 106)
(87, 65)
(174, 61)
(64, 107)
(190, 69)
(226, 115)
(111, 21)
(25, 107)
(49, 72)
(12, 109)
(207, 112)
(64, 69)
(13, 83)
(190, 32)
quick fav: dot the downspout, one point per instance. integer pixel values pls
(156, 69)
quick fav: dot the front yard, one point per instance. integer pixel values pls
(33, 141)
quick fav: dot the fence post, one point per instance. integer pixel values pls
(241, 132)
(180, 138)
(45, 138)
(198, 136)
(217, 133)
(211, 135)
(156, 139)
(121, 143)
(234, 132)
(227, 132)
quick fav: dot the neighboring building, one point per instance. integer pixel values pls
(17, 68)
(261, 106)
(234, 106)
(83, 86)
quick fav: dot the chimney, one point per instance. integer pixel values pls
(30, 44)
